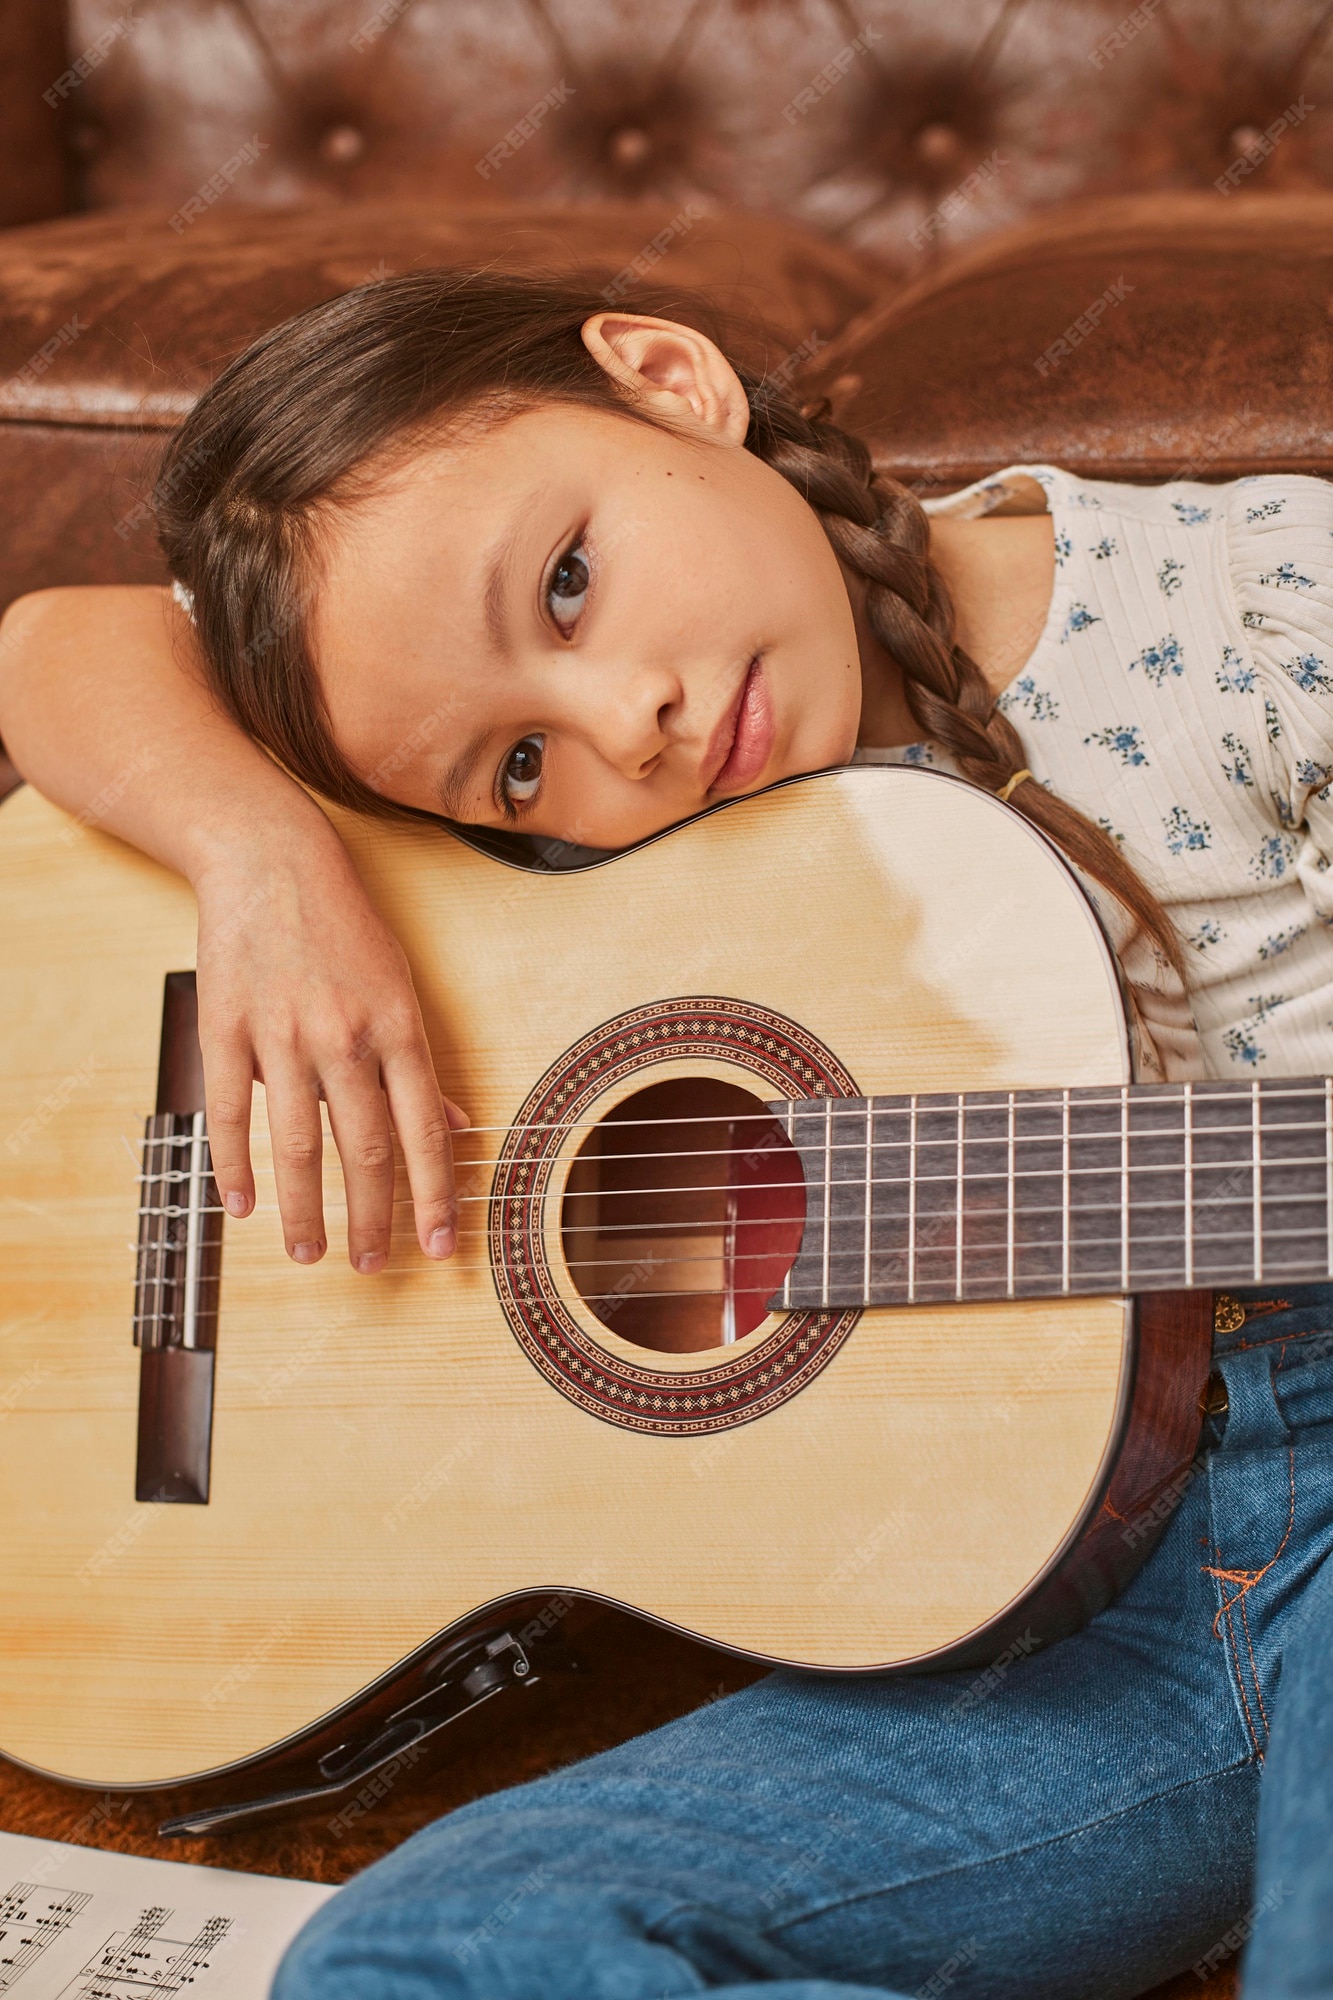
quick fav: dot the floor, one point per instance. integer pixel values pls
(634, 1679)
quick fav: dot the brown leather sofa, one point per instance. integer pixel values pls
(989, 230)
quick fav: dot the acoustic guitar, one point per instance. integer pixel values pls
(826, 1287)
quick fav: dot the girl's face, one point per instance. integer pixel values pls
(578, 625)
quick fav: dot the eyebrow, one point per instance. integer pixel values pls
(458, 779)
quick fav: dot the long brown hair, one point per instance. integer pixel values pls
(294, 426)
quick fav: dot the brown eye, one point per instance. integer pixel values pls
(568, 588)
(523, 769)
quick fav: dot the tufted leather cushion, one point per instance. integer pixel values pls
(874, 123)
(1138, 339)
(110, 325)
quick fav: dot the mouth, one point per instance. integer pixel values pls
(742, 743)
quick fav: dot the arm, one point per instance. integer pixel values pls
(104, 708)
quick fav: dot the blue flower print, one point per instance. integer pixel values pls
(1105, 548)
(1184, 834)
(1078, 620)
(1169, 574)
(1122, 741)
(1271, 723)
(1309, 672)
(1063, 546)
(1287, 577)
(1192, 516)
(1082, 499)
(1234, 676)
(1274, 947)
(1111, 832)
(918, 753)
(1035, 702)
(1238, 769)
(1240, 1041)
(1160, 660)
(1276, 855)
(1312, 774)
(1254, 619)
(1210, 932)
(1283, 808)
(1241, 1046)
(1263, 512)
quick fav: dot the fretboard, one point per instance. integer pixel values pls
(1029, 1193)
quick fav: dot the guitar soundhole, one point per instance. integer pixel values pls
(683, 1214)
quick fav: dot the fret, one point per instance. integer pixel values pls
(1256, 1183)
(1328, 1167)
(869, 1193)
(960, 1165)
(1124, 1188)
(911, 1208)
(1025, 1194)
(1189, 1186)
(1010, 1219)
(1064, 1179)
(828, 1188)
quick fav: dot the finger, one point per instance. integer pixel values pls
(422, 1122)
(458, 1118)
(359, 1117)
(298, 1149)
(229, 1081)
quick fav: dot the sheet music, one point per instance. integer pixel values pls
(77, 1923)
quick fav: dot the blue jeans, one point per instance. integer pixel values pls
(1087, 1820)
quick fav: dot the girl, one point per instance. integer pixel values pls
(470, 547)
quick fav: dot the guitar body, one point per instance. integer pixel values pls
(879, 1489)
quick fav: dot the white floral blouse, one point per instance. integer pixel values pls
(1181, 694)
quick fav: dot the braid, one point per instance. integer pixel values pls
(881, 531)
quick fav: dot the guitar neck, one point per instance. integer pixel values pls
(1041, 1193)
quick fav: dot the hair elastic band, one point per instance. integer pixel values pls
(1006, 791)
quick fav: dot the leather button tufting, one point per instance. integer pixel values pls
(937, 145)
(629, 147)
(1245, 139)
(341, 145)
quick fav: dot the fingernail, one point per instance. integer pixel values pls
(371, 1260)
(443, 1242)
(238, 1203)
(308, 1253)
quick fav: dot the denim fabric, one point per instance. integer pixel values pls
(1082, 1821)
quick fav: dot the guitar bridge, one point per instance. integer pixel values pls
(178, 1268)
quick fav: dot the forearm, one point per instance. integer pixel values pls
(104, 708)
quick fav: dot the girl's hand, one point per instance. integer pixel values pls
(303, 986)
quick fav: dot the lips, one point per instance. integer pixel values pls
(742, 743)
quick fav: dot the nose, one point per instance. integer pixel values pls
(630, 714)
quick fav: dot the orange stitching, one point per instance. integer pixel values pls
(1240, 1683)
(1254, 1667)
(1245, 1579)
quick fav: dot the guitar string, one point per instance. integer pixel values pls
(949, 1143)
(937, 1103)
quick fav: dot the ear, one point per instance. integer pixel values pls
(674, 371)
